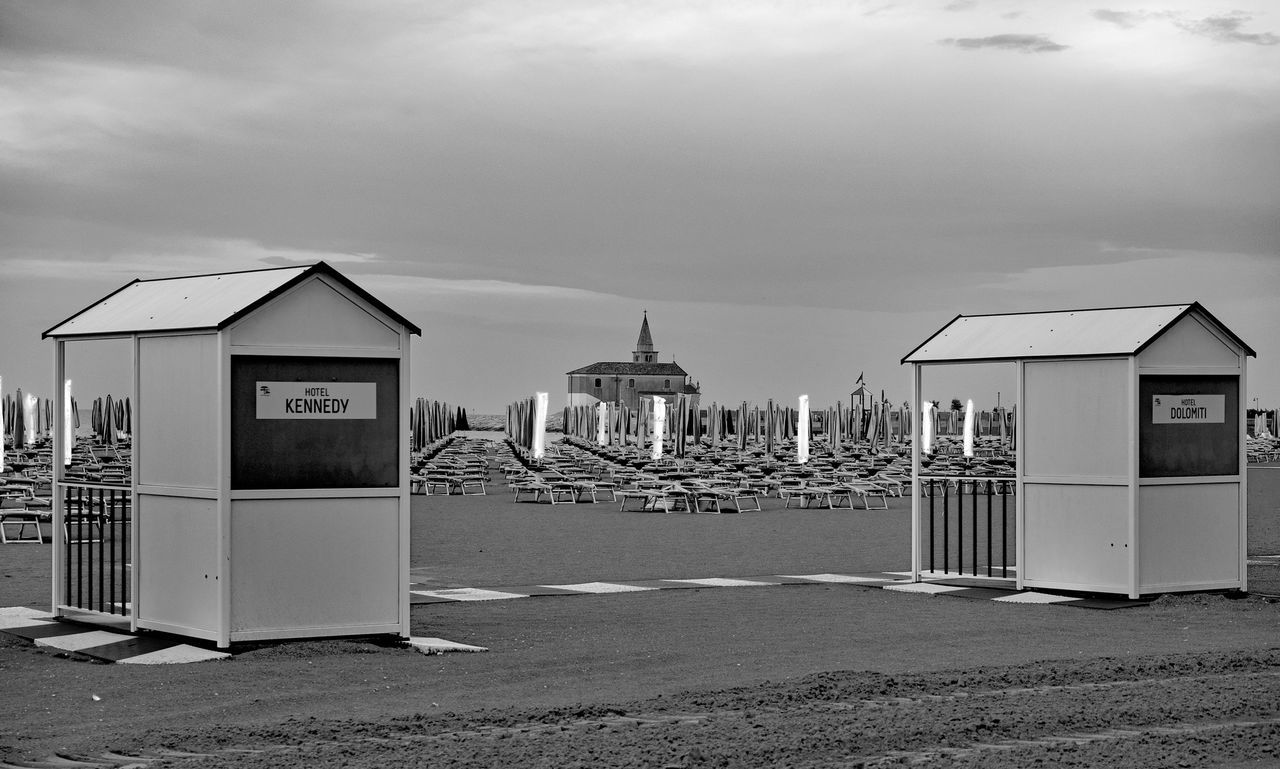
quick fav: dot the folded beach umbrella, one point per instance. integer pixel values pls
(67, 428)
(700, 431)
(1013, 428)
(422, 423)
(802, 430)
(926, 428)
(769, 428)
(968, 428)
(31, 419)
(539, 425)
(19, 419)
(645, 429)
(682, 425)
(602, 413)
(837, 426)
(659, 425)
(109, 420)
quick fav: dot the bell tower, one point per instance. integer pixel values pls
(644, 352)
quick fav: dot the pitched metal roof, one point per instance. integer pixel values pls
(631, 369)
(199, 302)
(1058, 334)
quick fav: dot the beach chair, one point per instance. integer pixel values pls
(894, 484)
(811, 496)
(15, 522)
(472, 485)
(646, 498)
(435, 484)
(595, 489)
(675, 499)
(562, 491)
(868, 491)
(530, 486)
(841, 498)
(742, 496)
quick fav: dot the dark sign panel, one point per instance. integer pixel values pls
(314, 423)
(1188, 426)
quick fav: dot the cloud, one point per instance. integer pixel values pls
(189, 256)
(1008, 42)
(1222, 29)
(960, 5)
(1125, 19)
(1226, 29)
(473, 289)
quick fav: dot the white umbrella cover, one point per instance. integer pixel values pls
(659, 425)
(802, 430)
(30, 413)
(539, 425)
(66, 424)
(926, 428)
(602, 415)
(968, 428)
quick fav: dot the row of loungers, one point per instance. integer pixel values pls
(572, 474)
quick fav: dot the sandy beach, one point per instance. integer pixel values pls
(812, 675)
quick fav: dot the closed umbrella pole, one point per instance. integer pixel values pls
(602, 413)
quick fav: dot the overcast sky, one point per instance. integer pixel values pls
(797, 192)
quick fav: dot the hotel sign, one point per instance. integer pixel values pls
(317, 400)
(1188, 409)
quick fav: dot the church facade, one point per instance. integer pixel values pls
(628, 383)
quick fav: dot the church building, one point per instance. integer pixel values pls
(628, 383)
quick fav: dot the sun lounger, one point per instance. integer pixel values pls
(18, 521)
(435, 484)
(867, 492)
(646, 498)
(809, 496)
(471, 485)
(595, 489)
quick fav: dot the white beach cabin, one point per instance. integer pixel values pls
(1130, 446)
(269, 496)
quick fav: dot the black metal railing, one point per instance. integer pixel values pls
(988, 505)
(97, 526)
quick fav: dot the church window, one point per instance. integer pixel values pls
(666, 384)
(631, 383)
(597, 381)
